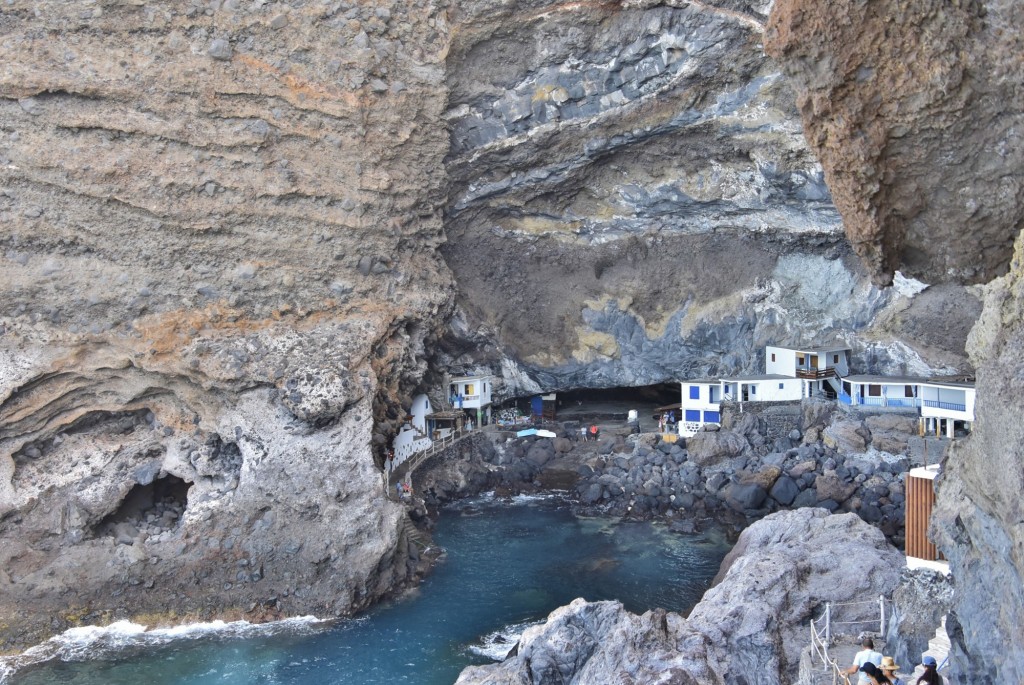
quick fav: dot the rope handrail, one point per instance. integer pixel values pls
(850, 604)
(821, 634)
(819, 644)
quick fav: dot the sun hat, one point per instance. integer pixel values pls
(929, 661)
(888, 664)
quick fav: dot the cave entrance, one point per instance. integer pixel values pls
(611, 406)
(147, 510)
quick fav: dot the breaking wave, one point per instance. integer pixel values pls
(95, 642)
(497, 644)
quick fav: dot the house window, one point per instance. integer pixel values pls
(874, 391)
(835, 358)
(908, 391)
(780, 386)
(470, 389)
(692, 415)
(773, 356)
(799, 359)
(694, 392)
(753, 390)
(711, 417)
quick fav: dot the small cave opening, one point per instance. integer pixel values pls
(147, 510)
(605, 405)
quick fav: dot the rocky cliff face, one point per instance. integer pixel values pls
(632, 201)
(236, 233)
(746, 629)
(916, 111)
(219, 270)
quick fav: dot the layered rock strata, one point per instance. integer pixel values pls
(750, 627)
(219, 273)
(632, 201)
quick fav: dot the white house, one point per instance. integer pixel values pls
(771, 387)
(790, 374)
(701, 400)
(946, 403)
(881, 391)
(942, 404)
(413, 436)
(820, 369)
(700, 405)
(472, 393)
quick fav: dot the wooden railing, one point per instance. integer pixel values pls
(815, 374)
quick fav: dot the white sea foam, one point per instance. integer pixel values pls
(91, 642)
(497, 644)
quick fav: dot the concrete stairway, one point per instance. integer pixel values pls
(938, 647)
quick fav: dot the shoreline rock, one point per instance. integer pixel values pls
(781, 572)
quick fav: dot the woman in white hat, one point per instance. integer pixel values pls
(889, 668)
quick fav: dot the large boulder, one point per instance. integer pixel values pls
(847, 437)
(890, 432)
(784, 491)
(744, 496)
(816, 412)
(831, 486)
(710, 447)
(749, 628)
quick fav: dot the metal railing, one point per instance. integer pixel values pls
(945, 405)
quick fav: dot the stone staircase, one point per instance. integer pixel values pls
(938, 647)
(414, 534)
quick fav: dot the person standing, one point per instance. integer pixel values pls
(874, 674)
(867, 654)
(931, 672)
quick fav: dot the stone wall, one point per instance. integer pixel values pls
(779, 419)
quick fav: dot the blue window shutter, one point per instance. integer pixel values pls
(694, 392)
(712, 417)
(692, 415)
(780, 386)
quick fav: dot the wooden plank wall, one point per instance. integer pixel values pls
(920, 498)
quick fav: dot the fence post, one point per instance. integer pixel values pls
(828, 623)
(881, 611)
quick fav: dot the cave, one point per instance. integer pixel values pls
(149, 509)
(608, 405)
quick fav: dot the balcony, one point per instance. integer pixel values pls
(950, 406)
(815, 374)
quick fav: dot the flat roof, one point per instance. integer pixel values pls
(885, 380)
(458, 379)
(445, 415)
(701, 381)
(762, 377)
(811, 350)
(950, 382)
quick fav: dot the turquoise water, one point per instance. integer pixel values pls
(507, 566)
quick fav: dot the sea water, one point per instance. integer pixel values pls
(508, 563)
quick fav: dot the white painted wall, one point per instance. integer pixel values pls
(954, 395)
(769, 390)
(784, 363)
(420, 408)
(476, 391)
